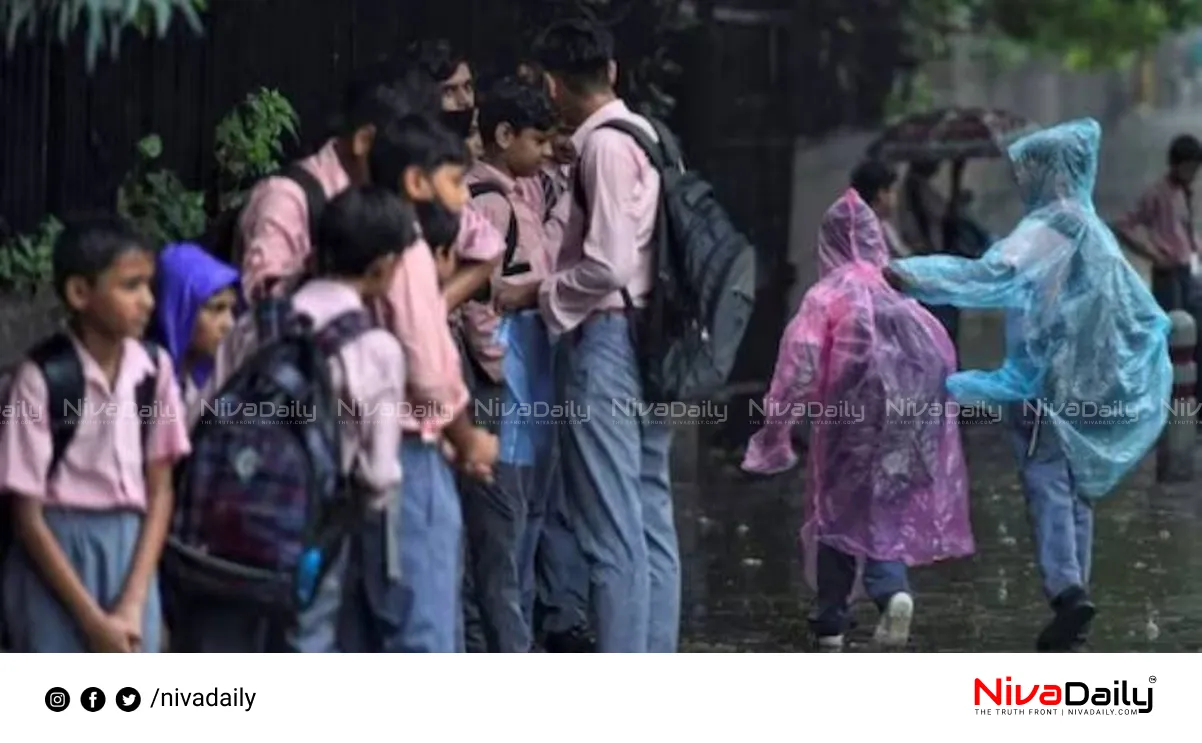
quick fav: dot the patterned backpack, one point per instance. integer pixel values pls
(262, 507)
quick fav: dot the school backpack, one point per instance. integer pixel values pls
(62, 369)
(508, 266)
(703, 288)
(223, 239)
(262, 507)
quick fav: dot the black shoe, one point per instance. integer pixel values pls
(575, 640)
(1066, 631)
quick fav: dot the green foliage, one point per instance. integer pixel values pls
(157, 203)
(26, 263)
(249, 142)
(1084, 34)
(103, 20)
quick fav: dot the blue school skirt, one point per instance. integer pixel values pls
(100, 546)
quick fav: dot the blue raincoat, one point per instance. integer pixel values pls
(187, 277)
(1085, 340)
(526, 424)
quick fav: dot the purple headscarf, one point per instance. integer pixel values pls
(187, 277)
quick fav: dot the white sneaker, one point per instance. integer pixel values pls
(893, 630)
(830, 643)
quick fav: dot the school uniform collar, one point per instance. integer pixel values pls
(615, 109)
(482, 172)
(135, 363)
(334, 294)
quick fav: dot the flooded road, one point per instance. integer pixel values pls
(744, 592)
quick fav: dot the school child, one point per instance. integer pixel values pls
(616, 470)
(886, 483)
(1082, 330)
(88, 463)
(363, 232)
(195, 298)
(426, 164)
(876, 183)
(511, 358)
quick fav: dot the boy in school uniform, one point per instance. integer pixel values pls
(91, 514)
(615, 466)
(362, 234)
(425, 164)
(503, 518)
(274, 229)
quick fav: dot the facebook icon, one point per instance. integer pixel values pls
(92, 699)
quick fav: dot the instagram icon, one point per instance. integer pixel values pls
(57, 699)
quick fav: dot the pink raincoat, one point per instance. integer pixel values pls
(867, 366)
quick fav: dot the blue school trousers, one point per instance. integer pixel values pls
(100, 546)
(421, 610)
(1061, 521)
(561, 570)
(619, 494)
(836, 580)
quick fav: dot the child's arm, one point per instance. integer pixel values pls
(166, 443)
(25, 452)
(54, 567)
(382, 391)
(480, 247)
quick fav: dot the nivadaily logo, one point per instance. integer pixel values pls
(1069, 697)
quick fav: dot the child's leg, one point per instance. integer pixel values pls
(836, 578)
(1062, 529)
(495, 519)
(538, 490)
(100, 546)
(887, 584)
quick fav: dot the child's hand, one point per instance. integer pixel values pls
(480, 455)
(109, 634)
(515, 297)
(129, 614)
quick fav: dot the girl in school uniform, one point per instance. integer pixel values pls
(90, 517)
(196, 298)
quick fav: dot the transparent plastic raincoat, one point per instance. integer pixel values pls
(1086, 344)
(867, 367)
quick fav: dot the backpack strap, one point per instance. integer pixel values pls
(59, 363)
(144, 393)
(342, 330)
(508, 267)
(315, 195)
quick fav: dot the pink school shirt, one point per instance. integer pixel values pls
(1163, 212)
(103, 468)
(612, 251)
(275, 232)
(479, 320)
(368, 375)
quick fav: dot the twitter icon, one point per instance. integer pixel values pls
(128, 699)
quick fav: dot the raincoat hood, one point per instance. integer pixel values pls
(1057, 163)
(850, 233)
(187, 277)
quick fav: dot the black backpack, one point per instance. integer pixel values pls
(223, 239)
(703, 291)
(262, 506)
(59, 363)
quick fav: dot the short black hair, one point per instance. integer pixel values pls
(521, 105)
(361, 225)
(415, 140)
(89, 245)
(437, 58)
(578, 52)
(1185, 148)
(872, 177)
(377, 97)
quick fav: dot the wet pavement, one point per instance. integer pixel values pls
(744, 591)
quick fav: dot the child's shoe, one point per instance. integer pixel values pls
(1066, 631)
(829, 643)
(893, 630)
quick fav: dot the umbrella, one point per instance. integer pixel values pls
(951, 134)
